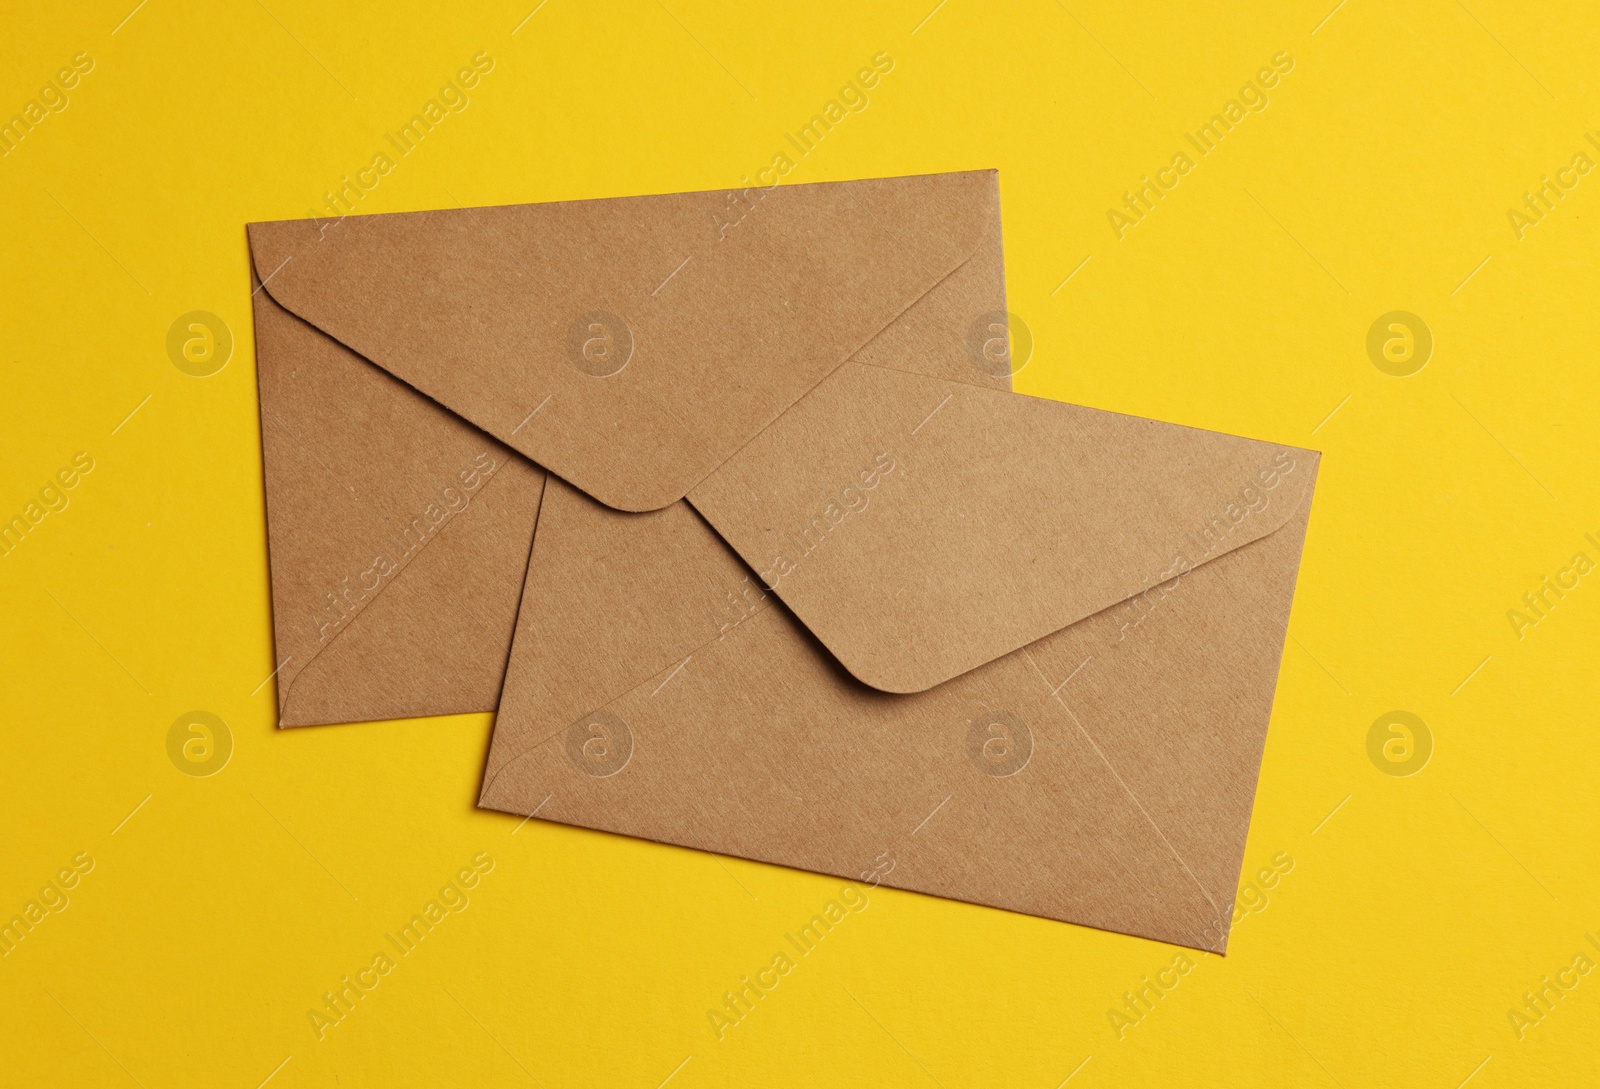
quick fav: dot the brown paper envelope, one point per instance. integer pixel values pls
(398, 536)
(1101, 775)
(475, 307)
(1002, 532)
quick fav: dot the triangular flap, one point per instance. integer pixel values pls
(632, 344)
(921, 528)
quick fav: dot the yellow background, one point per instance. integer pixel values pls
(1378, 179)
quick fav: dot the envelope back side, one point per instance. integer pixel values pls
(629, 344)
(1100, 775)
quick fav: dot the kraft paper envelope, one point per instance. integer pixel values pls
(809, 584)
(396, 559)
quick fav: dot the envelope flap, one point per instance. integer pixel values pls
(629, 345)
(921, 527)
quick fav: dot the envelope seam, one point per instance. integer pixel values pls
(845, 362)
(527, 563)
(288, 690)
(1125, 788)
(630, 690)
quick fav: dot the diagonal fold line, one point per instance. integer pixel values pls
(535, 746)
(399, 570)
(1126, 790)
(850, 358)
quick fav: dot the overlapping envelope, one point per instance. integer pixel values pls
(724, 500)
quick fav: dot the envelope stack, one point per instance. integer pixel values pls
(724, 503)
